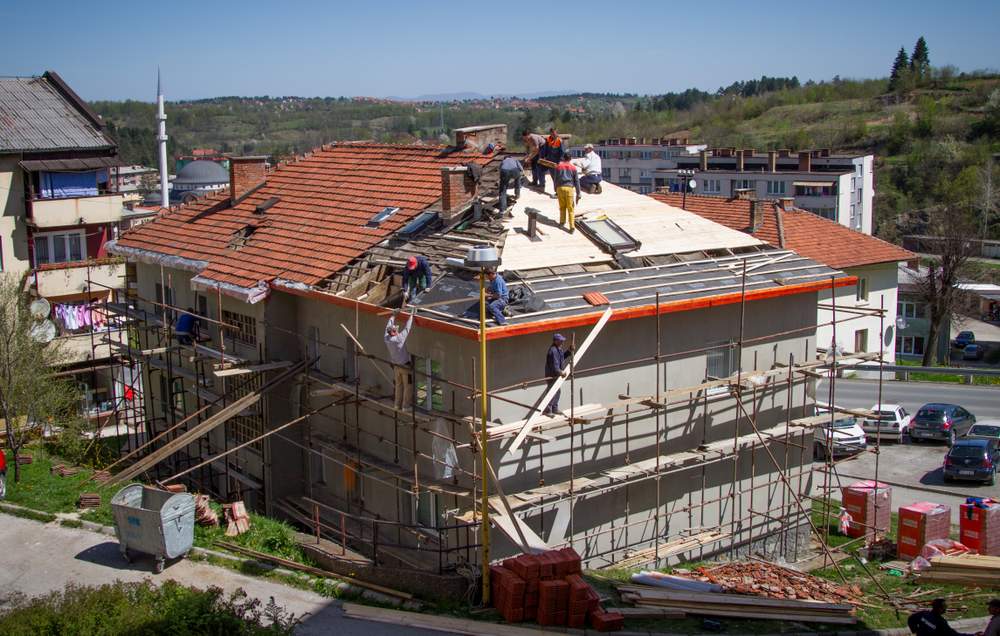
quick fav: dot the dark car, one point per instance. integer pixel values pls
(964, 338)
(973, 460)
(973, 352)
(945, 422)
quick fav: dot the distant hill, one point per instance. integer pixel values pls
(469, 97)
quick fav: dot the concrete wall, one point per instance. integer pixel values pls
(13, 232)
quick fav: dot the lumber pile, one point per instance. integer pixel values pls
(971, 569)
(548, 587)
(722, 604)
(237, 518)
(24, 459)
(101, 476)
(89, 500)
(204, 515)
(63, 470)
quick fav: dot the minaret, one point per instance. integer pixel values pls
(161, 140)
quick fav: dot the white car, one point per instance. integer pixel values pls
(847, 438)
(890, 425)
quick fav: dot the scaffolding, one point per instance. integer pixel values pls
(164, 436)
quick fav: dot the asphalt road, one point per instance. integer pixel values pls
(913, 470)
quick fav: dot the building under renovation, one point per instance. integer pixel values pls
(685, 425)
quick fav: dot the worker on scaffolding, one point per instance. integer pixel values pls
(188, 327)
(416, 277)
(555, 362)
(395, 342)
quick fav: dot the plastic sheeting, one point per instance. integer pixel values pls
(61, 185)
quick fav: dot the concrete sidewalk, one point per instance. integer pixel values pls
(39, 558)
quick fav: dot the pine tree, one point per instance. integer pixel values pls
(899, 68)
(920, 60)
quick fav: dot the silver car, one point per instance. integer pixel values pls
(890, 424)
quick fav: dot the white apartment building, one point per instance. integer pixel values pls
(834, 186)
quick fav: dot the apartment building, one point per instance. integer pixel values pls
(288, 391)
(834, 186)
(60, 207)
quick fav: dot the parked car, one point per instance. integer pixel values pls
(843, 437)
(963, 339)
(3, 475)
(973, 460)
(973, 352)
(945, 422)
(890, 423)
(985, 429)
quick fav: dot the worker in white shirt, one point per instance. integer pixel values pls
(590, 167)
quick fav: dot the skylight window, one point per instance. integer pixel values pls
(379, 218)
(608, 235)
(417, 224)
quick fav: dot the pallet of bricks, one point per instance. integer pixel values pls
(920, 523)
(548, 588)
(979, 525)
(869, 505)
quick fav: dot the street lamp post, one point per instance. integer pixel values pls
(483, 258)
(689, 184)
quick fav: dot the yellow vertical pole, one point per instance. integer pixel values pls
(485, 519)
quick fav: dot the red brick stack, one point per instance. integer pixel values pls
(979, 528)
(859, 500)
(919, 523)
(548, 588)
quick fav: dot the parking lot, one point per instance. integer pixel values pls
(910, 468)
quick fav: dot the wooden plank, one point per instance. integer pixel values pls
(256, 368)
(636, 613)
(448, 624)
(547, 397)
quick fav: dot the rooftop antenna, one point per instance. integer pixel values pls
(161, 140)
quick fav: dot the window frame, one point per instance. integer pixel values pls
(50, 237)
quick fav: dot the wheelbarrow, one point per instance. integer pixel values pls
(154, 522)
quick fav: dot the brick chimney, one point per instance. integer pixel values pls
(772, 161)
(480, 137)
(703, 160)
(457, 189)
(805, 161)
(787, 203)
(756, 215)
(245, 175)
(779, 221)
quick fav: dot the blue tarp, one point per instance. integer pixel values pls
(55, 185)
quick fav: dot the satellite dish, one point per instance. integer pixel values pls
(43, 331)
(39, 309)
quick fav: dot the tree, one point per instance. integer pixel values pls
(29, 395)
(920, 61)
(899, 68)
(952, 230)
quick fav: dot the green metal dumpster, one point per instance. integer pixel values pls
(154, 522)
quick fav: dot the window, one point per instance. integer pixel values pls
(625, 174)
(645, 189)
(426, 513)
(427, 373)
(645, 154)
(249, 424)
(711, 186)
(815, 190)
(744, 184)
(605, 173)
(910, 345)
(776, 187)
(60, 247)
(908, 309)
(718, 365)
(861, 289)
(860, 341)
(245, 331)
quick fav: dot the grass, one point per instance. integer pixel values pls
(950, 378)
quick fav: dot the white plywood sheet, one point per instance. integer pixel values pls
(660, 228)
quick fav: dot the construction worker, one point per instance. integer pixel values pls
(533, 144)
(993, 627)
(395, 342)
(590, 165)
(496, 296)
(416, 277)
(554, 151)
(555, 361)
(188, 327)
(567, 179)
(931, 622)
(510, 174)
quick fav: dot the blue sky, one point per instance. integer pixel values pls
(110, 50)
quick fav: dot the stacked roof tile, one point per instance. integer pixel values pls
(319, 224)
(808, 234)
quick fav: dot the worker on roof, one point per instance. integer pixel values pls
(416, 277)
(555, 361)
(510, 174)
(567, 179)
(496, 296)
(395, 342)
(554, 151)
(533, 144)
(590, 166)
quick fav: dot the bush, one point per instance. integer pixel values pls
(143, 608)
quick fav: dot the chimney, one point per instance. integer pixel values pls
(824, 152)
(745, 194)
(246, 174)
(787, 203)
(480, 137)
(784, 152)
(772, 161)
(457, 189)
(703, 160)
(756, 215)
(805, 161)
(739, 160)
(779, 221)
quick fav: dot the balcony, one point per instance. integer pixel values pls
(63, 279)
(82, 347)
(103, 208)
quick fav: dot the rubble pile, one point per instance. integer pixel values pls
(773, 581)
